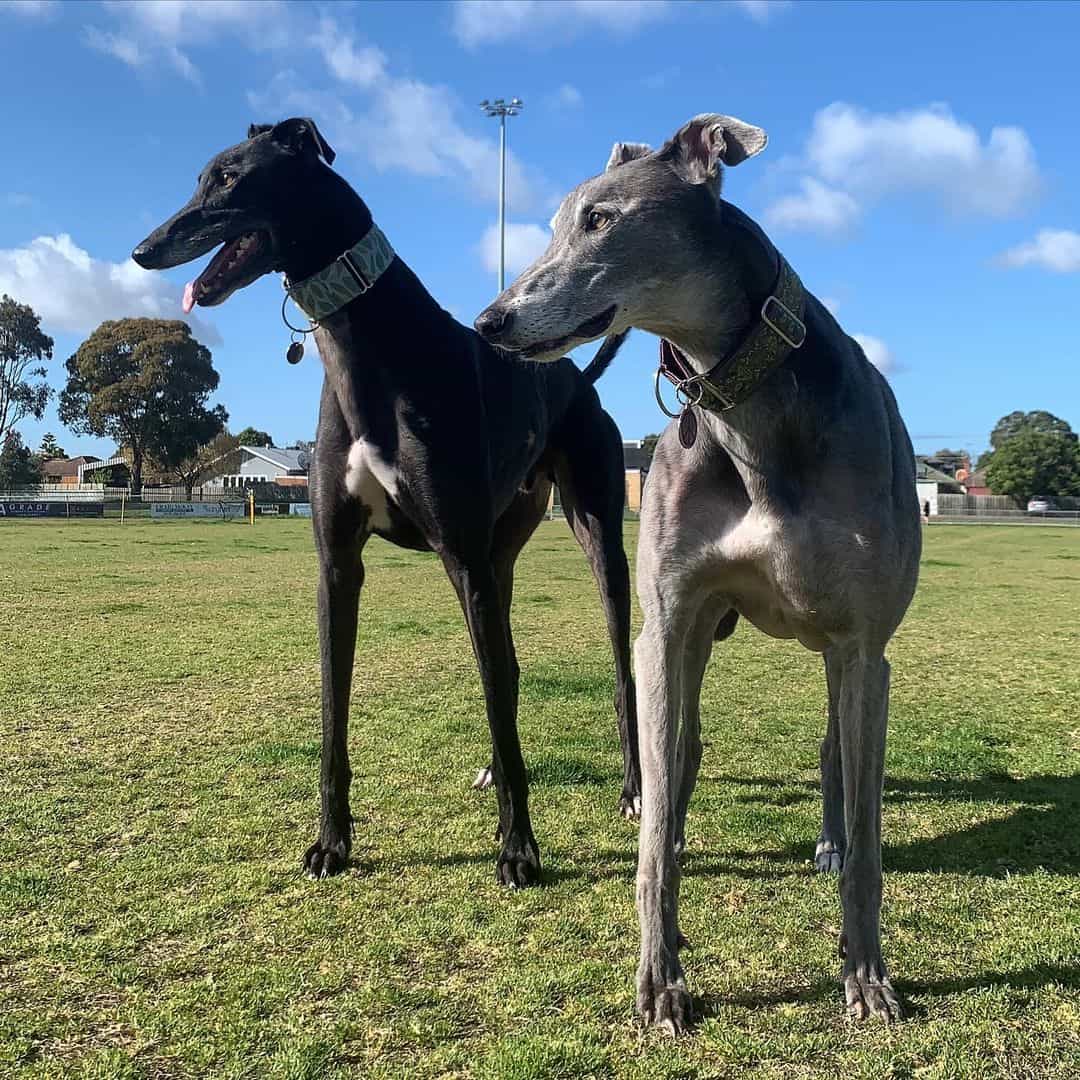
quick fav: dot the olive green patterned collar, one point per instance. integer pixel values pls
(768, 343)
(350, 275)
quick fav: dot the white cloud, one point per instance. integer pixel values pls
(176, 22)
(568, 97)
(363, 66)
(877, 352)
(74, 292)
(869, 156)
(482, 22)
(762, 10)
(1052, 249)
(545, 22)
(153, 32)
(121, 48)
(403, 123)
(32, 9)
(524, 243)
(817, 207)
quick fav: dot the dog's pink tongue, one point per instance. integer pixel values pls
(189, 297)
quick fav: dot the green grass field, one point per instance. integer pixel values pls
(159, 713)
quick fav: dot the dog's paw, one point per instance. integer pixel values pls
(630, 806)
(484, 779)
(828, 857)
(869, 992)
(519, 864)
(662, 997)
(666, 1007)
(325, 859)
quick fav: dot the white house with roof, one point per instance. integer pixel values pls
(267, 465)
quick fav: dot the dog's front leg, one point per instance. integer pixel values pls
(519, 860)
(662, 998)
(864, 704)
(341, 575)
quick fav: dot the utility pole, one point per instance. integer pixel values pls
(502, 109)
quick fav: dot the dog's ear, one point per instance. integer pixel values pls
(622, 152)
(699, 148)
(300, 135)
(258, 129)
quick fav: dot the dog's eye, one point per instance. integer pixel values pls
(228, 179)
(597, 220)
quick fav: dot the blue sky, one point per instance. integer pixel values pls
(920, 175)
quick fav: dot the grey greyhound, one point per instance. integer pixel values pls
(785, 494)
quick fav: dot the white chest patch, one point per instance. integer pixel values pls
(371, 481)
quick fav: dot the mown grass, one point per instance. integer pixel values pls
(159, 723)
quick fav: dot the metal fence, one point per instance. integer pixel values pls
(1003, 510)
(97, 500)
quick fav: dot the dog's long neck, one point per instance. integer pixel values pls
(773, 425)
(393, 339)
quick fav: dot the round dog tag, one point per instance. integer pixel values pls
(688, 427)
(295, 353)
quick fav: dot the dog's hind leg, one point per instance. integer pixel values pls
(864, 705)
(512, 532)
(829, 853)
(713, 624)
(592, 486)
(478, 590)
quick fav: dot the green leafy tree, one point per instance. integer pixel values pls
(24, 350)
(220, 455)
(144, 383)
(50, 448)
(648, 444)
(1039, 420)
(1035, 463)
(18, 467)
(251, 436)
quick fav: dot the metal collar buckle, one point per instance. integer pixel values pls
(346, 259)
(795, 323)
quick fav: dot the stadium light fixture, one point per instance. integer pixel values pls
(502, 109)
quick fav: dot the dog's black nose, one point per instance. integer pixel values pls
(142, 255)
(492, 322)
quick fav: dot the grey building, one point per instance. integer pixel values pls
(267, 465)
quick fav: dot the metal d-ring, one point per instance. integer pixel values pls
(285, 319)
(660, 398)
(688, 392)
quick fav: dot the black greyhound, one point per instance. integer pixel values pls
(427, 437)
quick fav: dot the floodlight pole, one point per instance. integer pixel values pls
(502, 109)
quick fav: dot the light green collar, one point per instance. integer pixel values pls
(350, 275)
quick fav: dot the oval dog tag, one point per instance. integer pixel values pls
(688, 427)
(295, 353)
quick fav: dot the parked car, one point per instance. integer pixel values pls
(1039, 505)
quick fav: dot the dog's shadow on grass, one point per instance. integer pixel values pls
(913, 992)
(561, 866)
(1040, 829)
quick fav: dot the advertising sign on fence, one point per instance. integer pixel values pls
(300, 509)
(197, 510)
(27, 508)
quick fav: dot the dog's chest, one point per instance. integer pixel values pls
(765, 565)
(372, 481)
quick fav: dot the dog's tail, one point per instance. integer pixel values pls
(604, 355)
